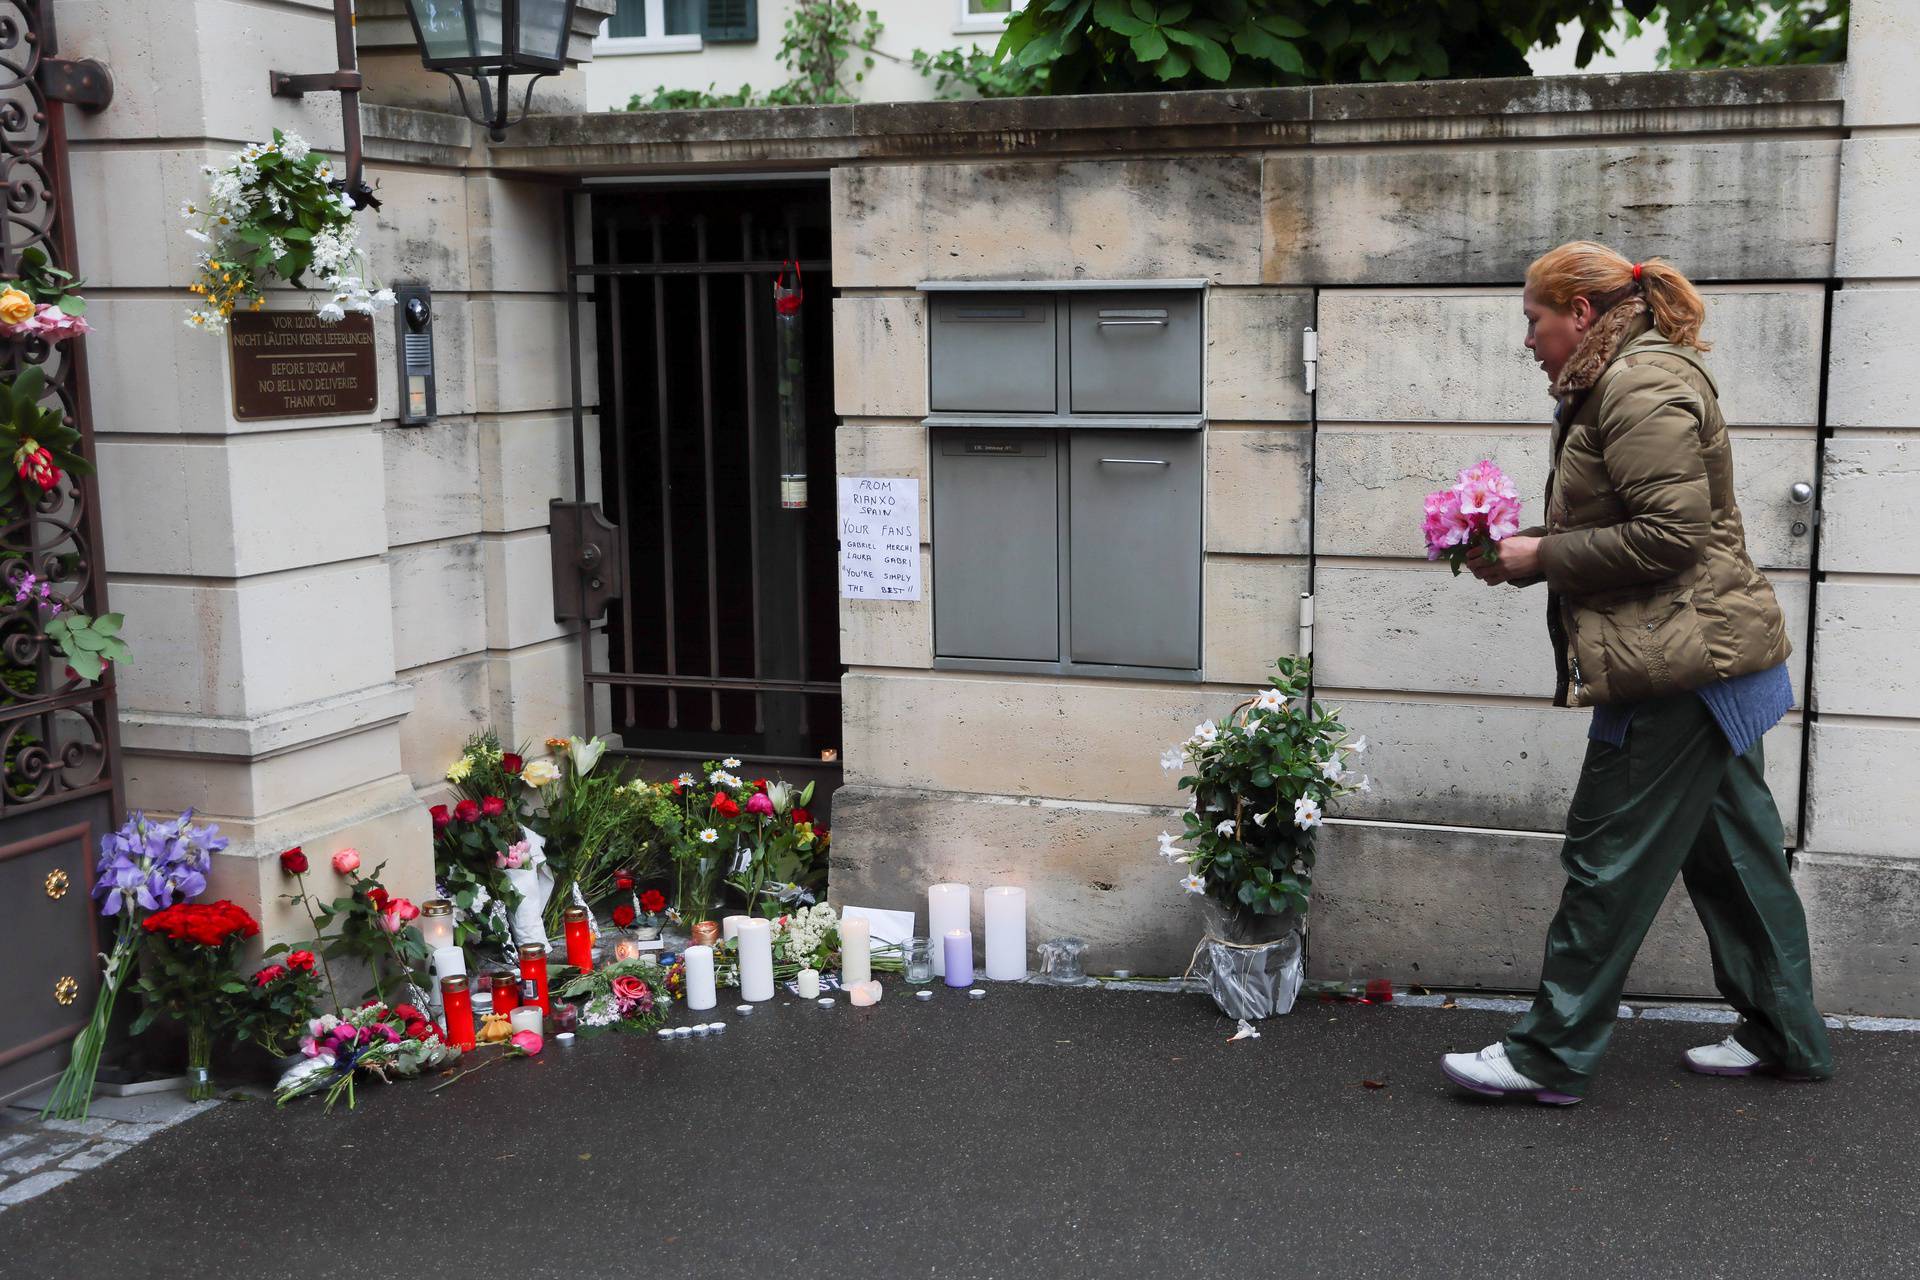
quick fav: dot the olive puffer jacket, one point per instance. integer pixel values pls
(1650, 588)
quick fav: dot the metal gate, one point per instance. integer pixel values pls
(57, 731)
(722, 628)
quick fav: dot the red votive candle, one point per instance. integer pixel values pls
(533, 977)
(579, 939)
(457, 1004)
(506, 993)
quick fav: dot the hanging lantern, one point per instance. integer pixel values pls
(493, 38)
(790, 380)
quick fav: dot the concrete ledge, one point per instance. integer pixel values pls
(167, 733)
(1460, 907)
(1860, 920)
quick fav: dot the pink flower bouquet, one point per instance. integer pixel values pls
(1472, 516)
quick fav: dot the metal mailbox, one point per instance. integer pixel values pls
(1134, 352)
(996, 504)
(993, 353)
(1134, 538)
(1067, 478)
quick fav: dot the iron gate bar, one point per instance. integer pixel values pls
(800, 543)
(619, 460)
(695, 268)
(666, 476)
(753, 469)
(758, 758)
(706, 445)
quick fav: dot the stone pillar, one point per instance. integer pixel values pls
(1861, 876)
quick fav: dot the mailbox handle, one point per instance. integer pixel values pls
(1140, 462)
(1150, 316)
(990, 313)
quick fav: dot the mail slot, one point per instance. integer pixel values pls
(992, 353)
(1134, 352)
(1133, 529)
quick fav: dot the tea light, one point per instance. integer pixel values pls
(700, 992)
(978, 993)
(756, 959)
(856, 952)
(825, 1002)
(743, 1009)
(808, 982)
(700, 1028)
(1006, 914)
(862, 995)
(923, 995)
(526, 1017)
(717, 1027)
(681, 1033)
(665, 1033)
(949, 907)
(625, 949)
(958, 949)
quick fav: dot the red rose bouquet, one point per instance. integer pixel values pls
(188, 974)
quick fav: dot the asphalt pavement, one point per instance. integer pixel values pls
(1037, 1132)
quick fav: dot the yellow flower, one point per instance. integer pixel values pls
(15, 306)
(461, 768)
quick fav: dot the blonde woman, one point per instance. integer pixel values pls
(1662, 625)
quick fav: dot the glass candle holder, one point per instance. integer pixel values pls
(917, 961)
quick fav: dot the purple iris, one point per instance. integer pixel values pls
(151, 865)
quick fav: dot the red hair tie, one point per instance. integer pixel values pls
(1636, 272)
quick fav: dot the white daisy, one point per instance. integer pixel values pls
(730, 763)
(1306, 813)
(708, 835)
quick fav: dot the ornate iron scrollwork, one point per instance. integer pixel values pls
(56, 730)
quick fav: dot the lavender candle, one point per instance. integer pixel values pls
(958, 954)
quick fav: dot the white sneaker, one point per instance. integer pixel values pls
(1489, 1072)
(1728, 1058)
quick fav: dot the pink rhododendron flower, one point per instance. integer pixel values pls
(1475, 513)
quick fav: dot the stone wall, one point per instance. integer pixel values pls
(320, 609)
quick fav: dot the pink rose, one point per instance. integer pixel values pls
(405, 909)
(346, 862)
(759, 803)
(507, 860)
(527, 1042)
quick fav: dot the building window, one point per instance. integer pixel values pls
(973, 17)
(654, 26)
(732, 20)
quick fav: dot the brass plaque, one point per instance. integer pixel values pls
(293, 364)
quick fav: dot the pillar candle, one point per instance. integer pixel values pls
(949, 907)
(1006, 912)
(579, 932)
(527, 1018)
(807, 983)
(448, 961)
(756, 959)
(856, 952)
(700, 993)
(533, 969)
(958, 953)
(730, 927)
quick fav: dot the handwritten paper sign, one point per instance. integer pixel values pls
(879, 538)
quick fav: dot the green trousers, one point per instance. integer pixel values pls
(1673, 800)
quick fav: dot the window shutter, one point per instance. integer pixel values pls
(732, 20)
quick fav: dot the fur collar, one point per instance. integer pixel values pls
(1622, 323)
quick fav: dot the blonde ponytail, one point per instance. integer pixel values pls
(1595, 272)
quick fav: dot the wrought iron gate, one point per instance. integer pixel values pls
(57, 731)
(722, 630)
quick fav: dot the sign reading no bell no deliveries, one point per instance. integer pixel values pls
(293, 364)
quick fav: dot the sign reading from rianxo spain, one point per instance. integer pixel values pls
(293, 364)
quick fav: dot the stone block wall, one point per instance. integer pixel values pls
(320, 609)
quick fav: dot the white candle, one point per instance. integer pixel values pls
(436, 924)
(730, 927)
(756, 960)
(807, 982)
(447, 961)
(861, 995)
(856, 952)
(949, 907)
(700, 993)
(1006, 911)
(525, 1017)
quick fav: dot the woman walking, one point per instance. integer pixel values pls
(1661, 624)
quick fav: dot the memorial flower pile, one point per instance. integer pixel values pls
(188, 976)
(391, 1042)
(1261, 781)
(1472, 516)
(144, 867)
(629, 995)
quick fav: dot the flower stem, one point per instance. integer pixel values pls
(319, 942)
(199, 1061)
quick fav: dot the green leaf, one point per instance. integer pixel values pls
(300, 233)
(108, 624)
(1281, 25)
(1113, 15)
(1174, 65)
(85, 665)
(1208, 56)
(1150, 45)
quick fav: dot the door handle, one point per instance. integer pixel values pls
(1139, 462)
(1800, 493)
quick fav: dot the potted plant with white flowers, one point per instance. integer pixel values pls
(1262, 781)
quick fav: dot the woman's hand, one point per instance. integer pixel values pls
(1519, 558)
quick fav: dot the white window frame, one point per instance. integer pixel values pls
(656, 21)
(968, 23)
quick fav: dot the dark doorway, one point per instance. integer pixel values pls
(726, 638)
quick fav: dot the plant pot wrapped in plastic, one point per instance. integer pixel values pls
(1251, 980)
